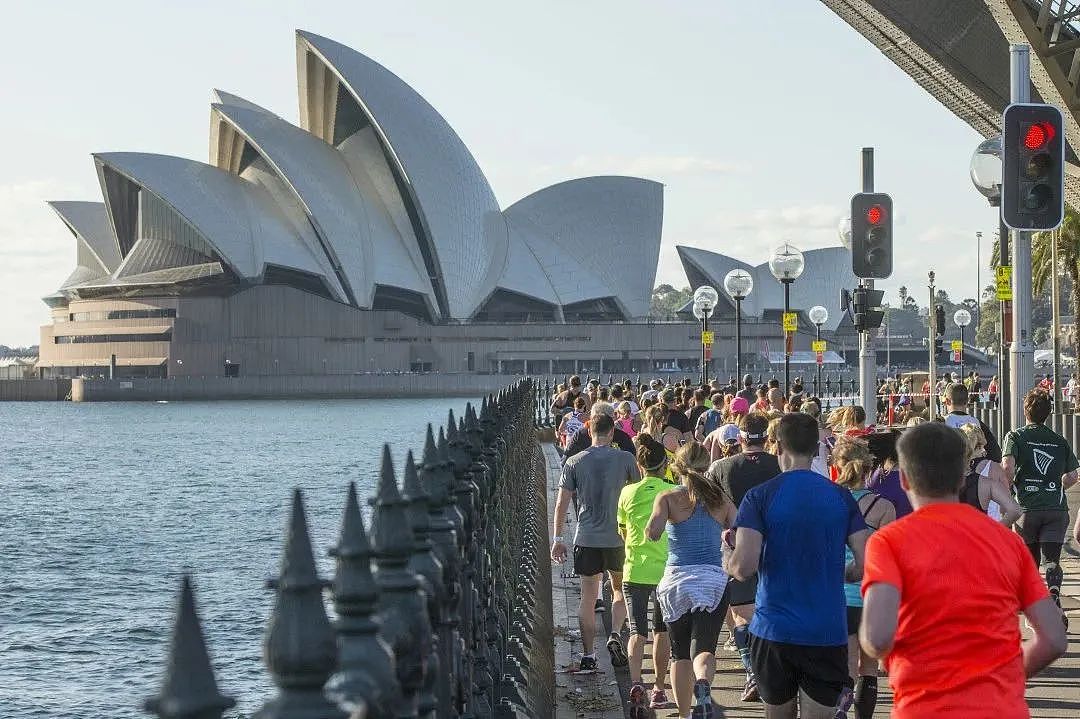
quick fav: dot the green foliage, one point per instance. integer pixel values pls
(666, 301)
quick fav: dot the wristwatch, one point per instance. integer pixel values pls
(556, 540)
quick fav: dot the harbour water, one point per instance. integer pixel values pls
(102, 506)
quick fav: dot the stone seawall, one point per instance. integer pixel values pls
(287, 387)
(34, 390)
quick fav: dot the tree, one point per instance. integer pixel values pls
(903, 295)
(666, 301)
(1068, 250)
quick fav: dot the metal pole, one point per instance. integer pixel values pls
(931, 400)
(817, 387)
(738, 340)
(1055, 312)
(1004, 328)
(704, 329)
(962, 375)
(867, 354)
(787, 353)
(1022, 351)
(978, 280)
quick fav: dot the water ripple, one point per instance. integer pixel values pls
(104, 505)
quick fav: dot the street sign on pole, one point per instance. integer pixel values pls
(1003, 280)
(818, 346)
(956, 356)
(791, 321)
(707, 338)
(956, 346)
(820, 357)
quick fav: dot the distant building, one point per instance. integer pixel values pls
(366, 240)
(17, 367)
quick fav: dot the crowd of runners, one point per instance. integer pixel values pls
(829, 549)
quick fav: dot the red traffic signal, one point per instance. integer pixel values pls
(875, 214)
(1038, 135)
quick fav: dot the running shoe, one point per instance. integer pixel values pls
(730, 645)
(847, 698)
(600, 606)
(750, 690)
(702, 708)
(615, 649)
(659, 700)
(638, 708)
(585, 665)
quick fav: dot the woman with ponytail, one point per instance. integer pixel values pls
(693, 589)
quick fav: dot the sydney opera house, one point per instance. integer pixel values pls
(367, 239)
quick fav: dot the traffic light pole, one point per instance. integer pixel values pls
(867, 353)
(1004, 390)
(1022, 352)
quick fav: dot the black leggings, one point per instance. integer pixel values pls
(696, 632)
(1051, 552)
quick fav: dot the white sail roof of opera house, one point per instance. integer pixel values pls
(372, 201)
(826, 272)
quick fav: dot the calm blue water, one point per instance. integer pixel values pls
(103, 505)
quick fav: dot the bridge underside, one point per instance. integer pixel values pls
(958, 51)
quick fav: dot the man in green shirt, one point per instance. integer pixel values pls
(1042, 466)
(642, 571)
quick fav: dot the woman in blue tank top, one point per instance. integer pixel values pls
(853, 463)
(692, 592)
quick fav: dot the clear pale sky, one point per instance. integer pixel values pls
(754, 126)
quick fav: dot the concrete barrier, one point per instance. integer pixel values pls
(287, 387)
(34, 390)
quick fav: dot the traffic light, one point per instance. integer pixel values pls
(939, 321)
(871, 235)
(1032, 167)
(939, 343)
(866, 308)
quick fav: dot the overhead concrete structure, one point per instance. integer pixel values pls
(958, 51)
(827, 271)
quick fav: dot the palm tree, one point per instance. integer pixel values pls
(1068, 251)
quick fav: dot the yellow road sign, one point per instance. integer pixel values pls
(1003, 276)
(957, 346)
(818, 345)
(706, 338)
(791, 321)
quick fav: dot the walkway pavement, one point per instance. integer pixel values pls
(1054, 694)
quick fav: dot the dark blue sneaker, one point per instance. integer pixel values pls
(702, 708)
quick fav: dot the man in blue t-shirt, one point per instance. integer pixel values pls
(792, 531)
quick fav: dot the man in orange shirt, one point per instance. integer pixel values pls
(941, 591)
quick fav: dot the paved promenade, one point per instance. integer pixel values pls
(1055, 694)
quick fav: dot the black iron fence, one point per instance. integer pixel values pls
(443, 608)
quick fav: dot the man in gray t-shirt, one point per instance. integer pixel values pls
(595, 477)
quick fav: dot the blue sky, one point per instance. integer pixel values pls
(751, 114)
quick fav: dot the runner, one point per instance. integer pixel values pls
(942, 589)
(854, 462)
(693, 590)
(956, 401)
(737, 475)
(565, 401)
(582, 440)
(792, 531)
(596, 477)
(986, 487)
(1042, 467)
(642, 570)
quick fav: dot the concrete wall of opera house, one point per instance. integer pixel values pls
(270, 330)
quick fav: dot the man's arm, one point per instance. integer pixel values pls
(857, 542)
(1049, 640)
(744, 559)
(558, 546)
(881, 607)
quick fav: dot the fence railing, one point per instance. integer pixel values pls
(443, 608)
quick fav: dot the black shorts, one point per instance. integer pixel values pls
(742, 593)
(590, 561)
(638, 597)
(696, 632)
(783, 669)
(854, 618)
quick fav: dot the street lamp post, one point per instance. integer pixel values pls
(786, 265)
(819, 316)
(962, 318)
(738, 284)
(705, 299)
